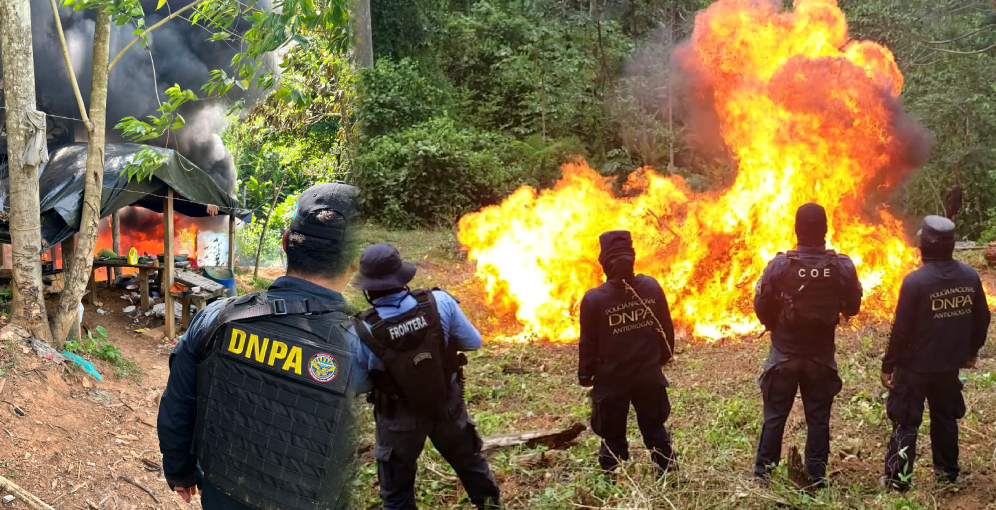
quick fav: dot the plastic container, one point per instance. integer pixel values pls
(224, 276)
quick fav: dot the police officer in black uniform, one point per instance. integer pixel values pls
(626, 338)
(800, 298)
(255, 412)
(941, 322)
(408, 355)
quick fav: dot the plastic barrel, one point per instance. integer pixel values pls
(224, 276)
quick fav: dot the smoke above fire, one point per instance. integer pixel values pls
(178, 53)
(804, 114)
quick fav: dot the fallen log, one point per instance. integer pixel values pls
(553, 439)
(28, 498)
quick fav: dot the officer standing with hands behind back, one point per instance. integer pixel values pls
(256, 410)
(941, 322)
(800, 298)
(407, 354)
(626, 338)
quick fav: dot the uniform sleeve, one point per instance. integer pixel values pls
(766, 305)
(664, 316)
(851, 302)
(456, 326)
(903, 324)
(178, 405)
(588, 343)
(363, 362)
(980, 318)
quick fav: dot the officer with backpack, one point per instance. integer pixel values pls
(626, 339)
(941, 323)
(408, 355)
(255, 411)
(800, 298)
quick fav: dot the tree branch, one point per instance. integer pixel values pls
(146, 32)
(960, 37)
(973, 52)
(69, 66)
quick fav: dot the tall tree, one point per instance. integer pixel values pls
(25, 222)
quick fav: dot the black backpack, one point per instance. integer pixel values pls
(412, 347)
(811, 294)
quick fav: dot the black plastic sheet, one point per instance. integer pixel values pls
(62, 184)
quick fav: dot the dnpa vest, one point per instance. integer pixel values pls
(272, 406)
(411, 346)
(812, 290)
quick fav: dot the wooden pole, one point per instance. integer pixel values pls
(168, 263)
(116, 239)
(231, 242)
(28, 498)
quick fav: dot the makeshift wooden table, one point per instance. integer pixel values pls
(210, 289)
(199, 299)
(143, 278)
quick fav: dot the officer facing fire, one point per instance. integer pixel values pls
(626, 338)
(800, 298)
(408, 356)
(940, 325)
(255, 412)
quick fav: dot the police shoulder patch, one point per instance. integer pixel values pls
(323, 367)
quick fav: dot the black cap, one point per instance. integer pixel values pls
(330, 196)
(381, 268)
(936, 231)
(811, 224)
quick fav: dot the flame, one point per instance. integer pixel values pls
(806, 114)
(143, 230)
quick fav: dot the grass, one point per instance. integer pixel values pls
(715, 420)
(9, 357)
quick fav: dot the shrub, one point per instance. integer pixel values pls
(433, 172)
(397, 95)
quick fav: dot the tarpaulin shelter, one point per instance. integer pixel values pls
(62, 182)
(176, 185)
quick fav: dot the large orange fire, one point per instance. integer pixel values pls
(806, 114)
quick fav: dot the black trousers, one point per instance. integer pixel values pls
(401, 435)
(818, 385)
(610, 410)
(942, 391)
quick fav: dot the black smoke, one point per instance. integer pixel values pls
(178, 53)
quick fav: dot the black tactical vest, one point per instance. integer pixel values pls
(412, 347)
(272, 403)
(811, 295)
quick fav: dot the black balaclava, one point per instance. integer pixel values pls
(811, 225)
(617, 257)
(937, 238)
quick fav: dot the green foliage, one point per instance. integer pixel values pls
(97, 345)
(397, 95)
(6, 294)
(106, 253)
(433, 172)
(404, 27)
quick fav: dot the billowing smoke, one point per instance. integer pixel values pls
(178, 53)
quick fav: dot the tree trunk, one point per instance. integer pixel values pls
(79, 275)
(262, 235)
(116, 239)
(364, 33)
(28, 310)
